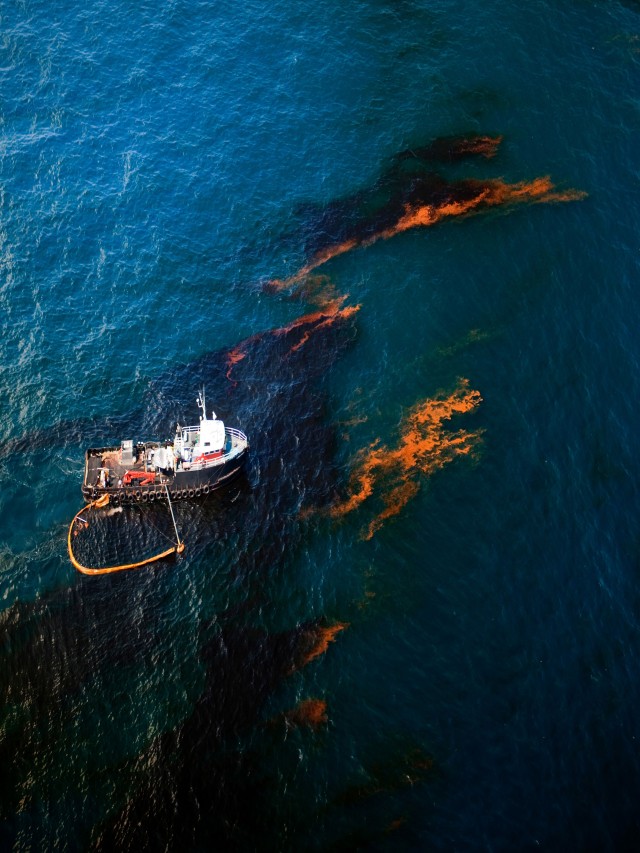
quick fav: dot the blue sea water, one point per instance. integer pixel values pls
(159, 163)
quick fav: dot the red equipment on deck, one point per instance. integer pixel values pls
(144, 478)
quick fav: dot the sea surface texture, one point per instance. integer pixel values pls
(398, 243)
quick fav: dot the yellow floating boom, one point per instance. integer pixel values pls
(101, 502)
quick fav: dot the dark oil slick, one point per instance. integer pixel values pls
(243, 666)
(193, 784)
(454, 148)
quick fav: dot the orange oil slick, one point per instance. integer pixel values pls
(394, 501)
(320, 320)
(310, 712)
(307, 324)
(484, 146)
(426, 445)
(487, 194)
(234, 356)
(317, 261)
(483, 195)
(323, 635)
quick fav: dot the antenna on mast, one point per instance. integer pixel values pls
(200, 402)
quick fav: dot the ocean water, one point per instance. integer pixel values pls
(398, 244)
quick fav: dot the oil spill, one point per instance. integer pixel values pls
(452, 149)
(194, 784)
(309, 713)
(427, 202)
(297, 332)
(426, 444)
(407, 195)
(319, 639)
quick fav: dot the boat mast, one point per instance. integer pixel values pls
(201, 404)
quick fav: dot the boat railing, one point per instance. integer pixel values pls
(237, 436)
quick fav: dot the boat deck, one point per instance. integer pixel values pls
(111, 459)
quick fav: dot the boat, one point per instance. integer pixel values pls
(199, 460)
